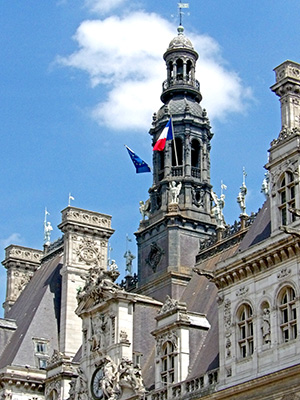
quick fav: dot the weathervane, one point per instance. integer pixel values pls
(181, 13)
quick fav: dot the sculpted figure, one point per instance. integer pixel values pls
(174, 190)
(145, 209)
(266, 329)
(217, 209)
(108, 382)
(129, 258)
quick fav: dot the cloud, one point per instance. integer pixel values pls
(14, 238)
(103, 6)
(124, 54)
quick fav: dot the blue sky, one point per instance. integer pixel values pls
(79, 79)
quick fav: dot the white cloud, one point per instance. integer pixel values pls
(14, 238)
(103, 6)
(125, 55)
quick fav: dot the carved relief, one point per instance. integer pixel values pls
(198, 196)
(76, 215)
(154, 256)
(52, 390)
(99, 332)
(283, 273)
(23, 254)
(227, 324)
(166, 337)
(88, 252)
(124, 337)
(242, 291)
(80, 387)
(169, 305)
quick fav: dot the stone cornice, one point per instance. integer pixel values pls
(256, 260)
(77, 219)
(22, 255)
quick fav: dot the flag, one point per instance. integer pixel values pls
(139, 164)
(167, 134)
(183, 5)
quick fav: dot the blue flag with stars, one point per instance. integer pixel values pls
(139, 164)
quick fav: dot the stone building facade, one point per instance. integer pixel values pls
(214, 311)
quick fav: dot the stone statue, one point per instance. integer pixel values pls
(129, 258)
(47, 229)
(265, 189)
(242, 195)
(130, 376)
(266, 329)
(109, 379)
(217, 210)
(145, 209)
(175, 190)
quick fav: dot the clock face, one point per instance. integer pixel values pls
(96, 384)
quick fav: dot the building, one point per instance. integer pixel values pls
(213, 312)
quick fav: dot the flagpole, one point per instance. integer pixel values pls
(174, 142)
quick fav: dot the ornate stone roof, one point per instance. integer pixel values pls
(180, 41)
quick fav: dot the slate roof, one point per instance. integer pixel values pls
(259, 230)
(36, 313)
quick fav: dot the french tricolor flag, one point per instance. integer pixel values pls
(167, 134)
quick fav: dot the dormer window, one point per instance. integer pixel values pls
(168, 363)
(287, 198)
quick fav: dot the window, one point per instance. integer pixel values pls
(41, 352)
(245, 331)
(168, 363)
(178, 143)
(41, 347)
(288, 314)
(195, 153)
(287, 198)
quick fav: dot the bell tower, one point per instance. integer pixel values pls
(178, 212)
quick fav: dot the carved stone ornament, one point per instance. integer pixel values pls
(56, 357)
(227, 313)
(166, 337)
(99, 332)
(98, 283)
(154, 256)
(88, 252)
(110, 380)
(169, 305)
(51, 388)
(283, 273)
(124, 337)
(242, 291)
(79, 389)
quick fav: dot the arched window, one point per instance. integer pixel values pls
(168, 363)
(245, 330)
(195, 153)
(189, 70)
(287, 198)
(170, 70)
(179, 150)
(179, 63)
(287, 314)
(161, 164)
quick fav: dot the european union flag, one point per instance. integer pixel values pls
(139, 164)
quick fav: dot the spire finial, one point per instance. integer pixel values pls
(181, 13)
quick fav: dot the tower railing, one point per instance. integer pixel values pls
(194, 83)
